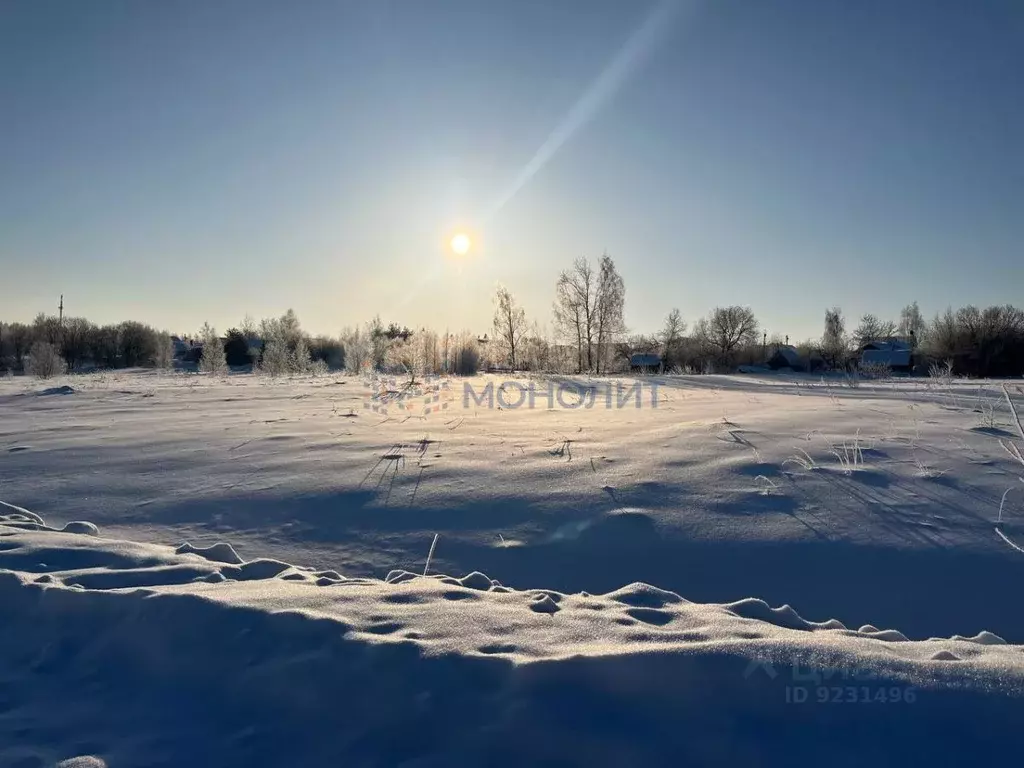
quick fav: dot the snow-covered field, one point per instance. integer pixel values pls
(879, 512)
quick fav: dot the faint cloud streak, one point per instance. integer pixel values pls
(638, 45)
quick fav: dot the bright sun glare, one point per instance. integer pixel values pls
(460, 244)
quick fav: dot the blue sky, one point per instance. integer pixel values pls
(183, 161)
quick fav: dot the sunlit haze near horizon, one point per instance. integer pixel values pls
(182, 162)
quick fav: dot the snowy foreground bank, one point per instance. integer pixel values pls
(146, 655)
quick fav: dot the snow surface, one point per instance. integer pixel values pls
(138, 654)
(290, 627)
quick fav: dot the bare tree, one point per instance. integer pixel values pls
(727, 329)
(834, 344)
(509, 323)
(942, 341)
(574, 310)
(609, 306)
(74, 343)
(588, 310)
(46, 328)
(138, 343)
(871, 328)
(672, 338)
(20, 337)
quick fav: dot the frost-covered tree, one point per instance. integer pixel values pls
(871, 328)
(379, 341)
(426, 352)
(163, 354)
(251, 333)
(276, 360)
(285, 348)
(44, 361)
(609, 310)
(573, 311)
(536, 350)
(357, 349)
(912, 322)
(299, 359)
(672, 338)
(834, 344)
(509, 324)
(213, 359)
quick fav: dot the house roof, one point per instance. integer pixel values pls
(789, 353)
(887, 345)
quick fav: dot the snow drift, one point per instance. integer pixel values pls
(120, 653)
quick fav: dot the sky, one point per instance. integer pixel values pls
(180, 161)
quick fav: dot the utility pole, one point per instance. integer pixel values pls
(60, 320)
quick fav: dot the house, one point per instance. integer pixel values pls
(645, 362)
(181, 347)
(786, 356)
(897, 354)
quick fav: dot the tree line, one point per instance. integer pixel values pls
(53, 345)
(588, 334)
(971, 341)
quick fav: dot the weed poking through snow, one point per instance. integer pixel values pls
(430, 554)
(1015, 453)
(850, 455)
(805, 461)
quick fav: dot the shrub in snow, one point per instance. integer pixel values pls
(942, 372)
(44, 361)
(875, 371)
(213, 360)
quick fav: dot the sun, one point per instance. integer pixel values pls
(461, 244)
